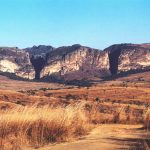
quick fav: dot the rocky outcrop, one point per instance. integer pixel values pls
(40, 50)
(127, 57)
(38, 57)
(76, 62)
(14, 60)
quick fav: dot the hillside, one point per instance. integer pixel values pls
(74, 62)
(56, 116)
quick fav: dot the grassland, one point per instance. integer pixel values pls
(36, 114)
(38, 126)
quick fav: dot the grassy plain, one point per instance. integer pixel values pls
(36, 114)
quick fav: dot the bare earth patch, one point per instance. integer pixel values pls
(108, 137)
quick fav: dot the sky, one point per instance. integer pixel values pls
(93, 23)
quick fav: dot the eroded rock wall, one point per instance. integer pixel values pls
(14, 60)
(126, 57)
(75, 60)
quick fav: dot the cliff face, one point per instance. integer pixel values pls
(126, 57)
(76, 62)
(14, 60)
(40, 50)
(38, 57)
(133, 59)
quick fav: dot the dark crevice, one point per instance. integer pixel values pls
(113, 61)
(38, 64)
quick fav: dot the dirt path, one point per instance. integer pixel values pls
(109, 137)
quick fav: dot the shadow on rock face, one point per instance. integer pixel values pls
(38, 64)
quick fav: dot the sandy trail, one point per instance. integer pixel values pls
(109, 137)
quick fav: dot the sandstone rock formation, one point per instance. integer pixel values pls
(38, 57)
(126, 57)
(74, 62)
(14, 60)
(40, 50)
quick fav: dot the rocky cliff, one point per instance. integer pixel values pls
(40, 50)
(14, 60)
(126, 57)
(74, 62)
(38, 56)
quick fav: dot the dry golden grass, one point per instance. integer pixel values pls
(68, 112)
(117, 113)
(10, 84)
(118, 93)
(38, 126)
(147, 119)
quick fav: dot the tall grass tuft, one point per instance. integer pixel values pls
(37, 126)
(147, 119)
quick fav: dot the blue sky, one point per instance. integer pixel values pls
(94, 23)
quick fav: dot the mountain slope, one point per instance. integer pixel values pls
(126, 57)
(74, 62)
(17, 61)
